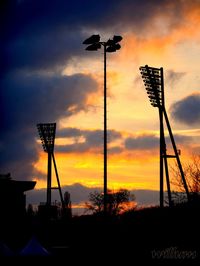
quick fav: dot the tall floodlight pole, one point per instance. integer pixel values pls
(47, 135)
(112, 45)
(154, 82)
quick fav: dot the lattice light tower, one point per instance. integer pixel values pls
(154, 82)
(47, 133)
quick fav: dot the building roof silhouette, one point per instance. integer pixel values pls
(12, 196)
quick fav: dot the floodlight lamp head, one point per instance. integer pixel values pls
(109, 42)
(153, 80)
(113, 45)
(111, 49)
(93, 47)
(117, 46)
(95, 38)
(47, 135)
(117, 38)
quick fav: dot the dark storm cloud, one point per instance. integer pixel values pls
(31, 99)
(46, 34)
(68, 132)
(187, 110)
(180, 139)
(142, 142)
(92, 140)
(149, 142)
(115, 150)
(18, 154)
(46, 51)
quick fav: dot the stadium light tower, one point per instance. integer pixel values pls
(47, 135)
(109, 46)
(154, 82)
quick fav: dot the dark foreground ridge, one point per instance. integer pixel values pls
(151, 234)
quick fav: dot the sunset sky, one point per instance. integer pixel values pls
(47, 76)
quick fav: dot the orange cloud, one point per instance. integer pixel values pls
(162, 31)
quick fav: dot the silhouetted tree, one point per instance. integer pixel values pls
(192, 176)
(117, 202)
(68, 205)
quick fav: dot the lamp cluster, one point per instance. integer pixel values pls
(47, 135)
(112, 45)
(153, 80)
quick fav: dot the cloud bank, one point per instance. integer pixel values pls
(187, 110)
(39, 38)
(79, 195)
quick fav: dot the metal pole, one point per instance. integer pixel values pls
(49, 180)
(58, 181)
(162, 140)
(167, 172)
(177, 155)
(161, 158)
(105, 134)
(167, 181)
(164, 153)
(164, 158)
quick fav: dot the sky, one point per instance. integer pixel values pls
(48, 76)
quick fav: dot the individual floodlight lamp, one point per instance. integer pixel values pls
(95, 38)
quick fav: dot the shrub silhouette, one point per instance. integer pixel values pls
(117, 202)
